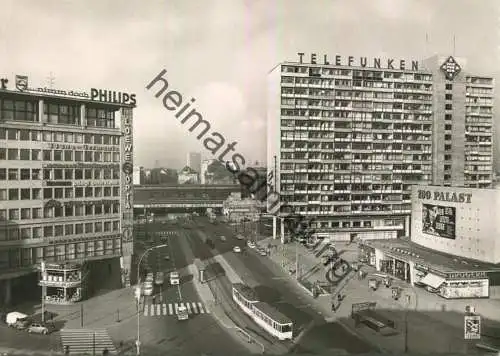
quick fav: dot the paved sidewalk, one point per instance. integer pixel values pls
(432, 336)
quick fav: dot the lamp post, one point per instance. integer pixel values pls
(408, 301)
(138, 295)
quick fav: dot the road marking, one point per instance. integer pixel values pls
(195, 308)
(158, 309)
(152, 311)
(170, 309)
(164, 309)
(176, 308)
(200, 306)
(146, 309)
(188, 306)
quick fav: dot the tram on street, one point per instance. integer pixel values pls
(264, 315)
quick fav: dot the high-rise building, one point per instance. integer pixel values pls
(348, 139)
(194, 161)
(204, 175)
(66, 197)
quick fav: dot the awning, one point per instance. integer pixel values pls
(432, 280)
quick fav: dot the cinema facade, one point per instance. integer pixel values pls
(453, 249)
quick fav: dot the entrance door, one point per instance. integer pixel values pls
(352, 237)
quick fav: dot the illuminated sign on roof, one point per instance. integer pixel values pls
(450, 68)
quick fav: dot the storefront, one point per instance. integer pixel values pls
(445, 275)
(453, 285)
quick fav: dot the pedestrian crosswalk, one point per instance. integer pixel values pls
(172, 308)
(165, 233)
(87, 342)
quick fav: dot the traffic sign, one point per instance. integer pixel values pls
(472, 327)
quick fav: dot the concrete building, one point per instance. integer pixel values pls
(453, 250)
(188, 176)
(66, 187)
(194, 161)
(347, 138)
(205, 177)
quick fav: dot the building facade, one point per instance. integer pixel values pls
(347, 138)
(66, 165)
(194, 161)
(453, 250)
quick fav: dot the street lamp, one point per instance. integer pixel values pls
(408, 301)
(138, 295)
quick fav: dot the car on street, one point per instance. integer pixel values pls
(251, 244)
(148, 288)
(223, 238)
(240, 237)
(262, 251)
(174, 278)
(38, 328)
(17, 320)
(166, 258)
(159, 278)
(149, 277)
(237, 249)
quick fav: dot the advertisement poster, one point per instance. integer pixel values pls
(438, 220)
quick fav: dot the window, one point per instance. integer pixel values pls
(78, 156)
(68, 137)
(36, 193)
(35, 155)
(25, 194)
(47, 155)
(448, 96)
(19, 110)
(58, 155)
(449, 87)
(36, 213)
(25, 213)
(68, 174)
(13, 214)
(68, 229)
(12, 154)
(35, 174)
(58, 230)
(89, 228)
(24, 135)
(48, 231)
(448, 107)
(88, 192)
(47, 136)
(58, 193)
(13, 194)
(447, 116)
(447, 157)
(61, 114)
(447, 127)
(13, 174)
(24, 154)
(47, 193)
(447, 137)
(25, 174)
(3, 153)
(58, 174)
(99, 117)
(447, 147)
(68, 156)
(78, 173)
(3, 174)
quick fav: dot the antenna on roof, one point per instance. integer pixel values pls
(51, 79)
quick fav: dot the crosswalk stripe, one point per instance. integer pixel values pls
(188, 306)
(146, 310)
(158, 309)
(195, 308)
(152, 309)
(181, 305)
(170, 309)
(164, 309)
(176, 308)
(200, 306)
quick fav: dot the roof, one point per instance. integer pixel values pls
(55, 96)
(247, 292)
(443, 262)
(272, 313)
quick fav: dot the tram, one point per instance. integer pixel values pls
(264, 315)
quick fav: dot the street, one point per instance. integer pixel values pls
(159, 326)
(317, 336)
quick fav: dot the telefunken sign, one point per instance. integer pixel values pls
(451, 197)
(100, 95)
(350, 61)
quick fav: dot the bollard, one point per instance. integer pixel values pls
(117, 315)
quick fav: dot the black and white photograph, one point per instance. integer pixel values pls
(249, 177)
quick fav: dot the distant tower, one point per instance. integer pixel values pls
(51, 80)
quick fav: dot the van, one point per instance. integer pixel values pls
(17, 320)
(174, 278)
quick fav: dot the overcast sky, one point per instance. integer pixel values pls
(219, 52)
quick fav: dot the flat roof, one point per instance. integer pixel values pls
(410, 251)
(273, 313)
(247, 292)
(79, 99)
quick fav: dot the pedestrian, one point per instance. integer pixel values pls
(154, 299)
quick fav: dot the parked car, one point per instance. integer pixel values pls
(262, 251)
(37, 328)
(237, 249)
(240, 237)
(223, 238)
(251, 244)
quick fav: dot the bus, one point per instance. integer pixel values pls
(264, 315)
